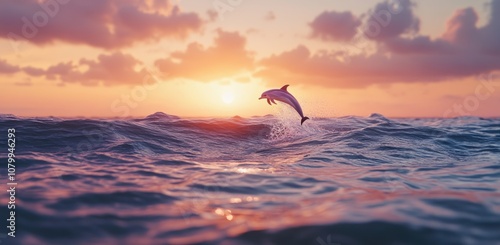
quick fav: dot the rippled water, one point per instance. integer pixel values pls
(263, 180)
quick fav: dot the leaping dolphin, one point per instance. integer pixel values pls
(284, 96)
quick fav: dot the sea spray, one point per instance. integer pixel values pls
(286, 126)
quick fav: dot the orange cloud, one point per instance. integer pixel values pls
(227, 57)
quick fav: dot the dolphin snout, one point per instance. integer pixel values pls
(261, 97)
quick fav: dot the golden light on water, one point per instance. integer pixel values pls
(235, 200)
(226, 213)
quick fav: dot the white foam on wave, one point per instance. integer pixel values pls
(288, 127)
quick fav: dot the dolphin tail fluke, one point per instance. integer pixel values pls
(303, 120)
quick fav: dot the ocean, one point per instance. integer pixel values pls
(264, 180)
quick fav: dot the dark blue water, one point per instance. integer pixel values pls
(262, 180)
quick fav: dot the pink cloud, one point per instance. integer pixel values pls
(418, 45)
(6, 68)
(337, 26)
(99, 23)
(490, 33)
(387, 20)
(462, 35)
(461, 27)
(462, 30)
(114, 69)
(325, 69)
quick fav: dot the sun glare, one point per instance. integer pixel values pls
(227, 97)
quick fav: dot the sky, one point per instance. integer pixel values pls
(213, 58)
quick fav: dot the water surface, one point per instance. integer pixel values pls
(262, 180)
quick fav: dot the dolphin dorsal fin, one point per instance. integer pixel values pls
(284, 88)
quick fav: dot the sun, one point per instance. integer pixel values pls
(227, 97)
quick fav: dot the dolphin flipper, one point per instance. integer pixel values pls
(269, 101)
(303, 120)
(274, 102)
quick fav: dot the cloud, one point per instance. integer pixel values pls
(418, 45)
(270, 16)
(490, 33)
(227, 57)
(463, 50)
(336, 26)
(114, 69)
(26, 82)
(462, 35)
(462, 30)
(6, 68)
(326, 69)
(105, 24)
(387, 20)
(212, 15)
(391, 19)
(461, 27)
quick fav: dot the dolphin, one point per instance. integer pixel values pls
(284, 96)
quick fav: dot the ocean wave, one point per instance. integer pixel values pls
(164, 179)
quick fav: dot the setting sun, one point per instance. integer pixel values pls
(227, 97)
